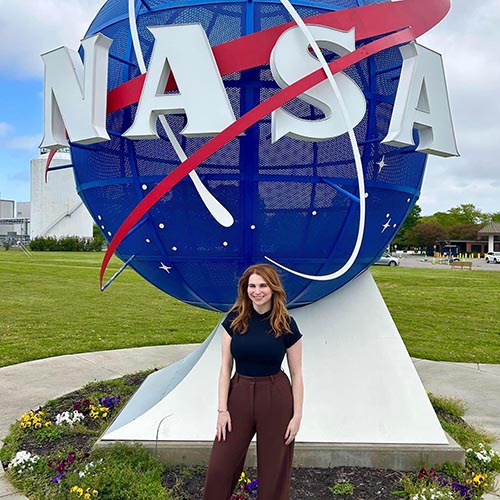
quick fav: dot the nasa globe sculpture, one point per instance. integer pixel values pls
(209, 136)
(286, 189)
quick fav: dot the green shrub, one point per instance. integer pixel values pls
(66, 244)
(452, 406)
(122, 472)
(341, 488)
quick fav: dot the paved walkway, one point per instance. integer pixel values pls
(29, 385)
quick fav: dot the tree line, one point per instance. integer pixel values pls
(458, 223)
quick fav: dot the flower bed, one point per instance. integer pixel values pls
(48, 455)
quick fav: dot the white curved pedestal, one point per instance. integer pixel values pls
(364, 402)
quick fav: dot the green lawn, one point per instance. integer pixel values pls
(51, 305)
(443, 314)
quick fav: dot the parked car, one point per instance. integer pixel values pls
(492, 257)
(387, 260)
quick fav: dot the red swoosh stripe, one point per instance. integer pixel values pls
(51, 155)
(255, 49)
(415, 17)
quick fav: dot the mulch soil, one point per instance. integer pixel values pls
(307, 483)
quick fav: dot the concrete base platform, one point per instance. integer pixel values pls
(322, 455)
(360, 383)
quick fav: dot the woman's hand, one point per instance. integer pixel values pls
(292, 430)
(223, 425)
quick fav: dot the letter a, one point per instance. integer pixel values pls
(422, 102)
(74, 95)
(184, 50)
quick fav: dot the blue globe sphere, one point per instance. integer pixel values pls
(293, 201)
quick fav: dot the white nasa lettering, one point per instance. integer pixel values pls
(422, 102)
(75, 95)
(291, 60)
(184, 50)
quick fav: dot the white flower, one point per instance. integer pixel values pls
(23, 461)
(87, 467)
(432, 494)
(69, 418)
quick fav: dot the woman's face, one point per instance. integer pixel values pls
(260, 294)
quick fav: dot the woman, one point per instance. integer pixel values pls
(257, 333)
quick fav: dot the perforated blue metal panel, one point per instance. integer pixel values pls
(293, 201)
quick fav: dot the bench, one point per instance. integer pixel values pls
(462, 265)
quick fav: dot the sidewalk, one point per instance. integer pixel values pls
(29, 385)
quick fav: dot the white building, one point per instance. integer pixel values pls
(6, 212)
(56, 208)
(14, 223)
(6, 209)
(23, 209)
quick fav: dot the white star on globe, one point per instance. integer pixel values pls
(381, 164)
(165, 267)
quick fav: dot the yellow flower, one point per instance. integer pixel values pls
(86, 496)
(95, 493)
(478, 479)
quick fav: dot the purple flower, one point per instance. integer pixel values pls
(253, 485)
(110, 402)
(82, 406)
(422, 473)
(442, 481)
(57, 479)
(462, 489)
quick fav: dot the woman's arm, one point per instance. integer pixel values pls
(224, 418)
(294, 358)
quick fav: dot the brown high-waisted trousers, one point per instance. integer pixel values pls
(262, 405)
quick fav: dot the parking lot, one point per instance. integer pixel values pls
(409, 260)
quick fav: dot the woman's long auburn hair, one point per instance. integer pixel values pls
(279, 319)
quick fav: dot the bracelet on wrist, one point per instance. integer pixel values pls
(222, 411)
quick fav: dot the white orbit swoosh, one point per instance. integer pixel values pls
(214, 206)
(357, 158)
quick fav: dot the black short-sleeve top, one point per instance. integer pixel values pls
(258, 353)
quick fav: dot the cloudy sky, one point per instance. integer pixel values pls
(468, 39)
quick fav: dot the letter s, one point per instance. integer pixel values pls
(290, 61)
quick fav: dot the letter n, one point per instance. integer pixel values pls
(75, 95)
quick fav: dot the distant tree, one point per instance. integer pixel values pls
(495, 217)
(425, 234)
(467, 213)
(99, 240)
(444, 219)
(464, 231)
(409, 223)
